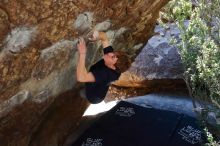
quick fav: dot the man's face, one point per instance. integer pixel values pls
(110, 58)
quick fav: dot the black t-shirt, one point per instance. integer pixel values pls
(96, 91)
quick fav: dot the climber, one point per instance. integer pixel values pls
(102, 73)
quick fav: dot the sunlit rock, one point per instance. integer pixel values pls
(159, 59)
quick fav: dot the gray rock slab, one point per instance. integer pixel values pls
(176, 103)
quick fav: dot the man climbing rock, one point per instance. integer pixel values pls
(102, 73)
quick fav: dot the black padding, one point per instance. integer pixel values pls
(128, 124)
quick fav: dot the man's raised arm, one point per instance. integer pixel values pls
(82, 74)
(99, 35)
(104, 39)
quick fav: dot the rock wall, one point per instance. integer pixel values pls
(39, 101)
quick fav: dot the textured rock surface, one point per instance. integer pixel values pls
(158, 61)
(39, 102)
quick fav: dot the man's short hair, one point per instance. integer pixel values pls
(123, 62)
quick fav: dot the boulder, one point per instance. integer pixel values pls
(39, 100)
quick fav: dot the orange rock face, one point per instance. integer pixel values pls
(39, 101)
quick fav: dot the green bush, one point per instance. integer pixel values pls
(199, 45)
